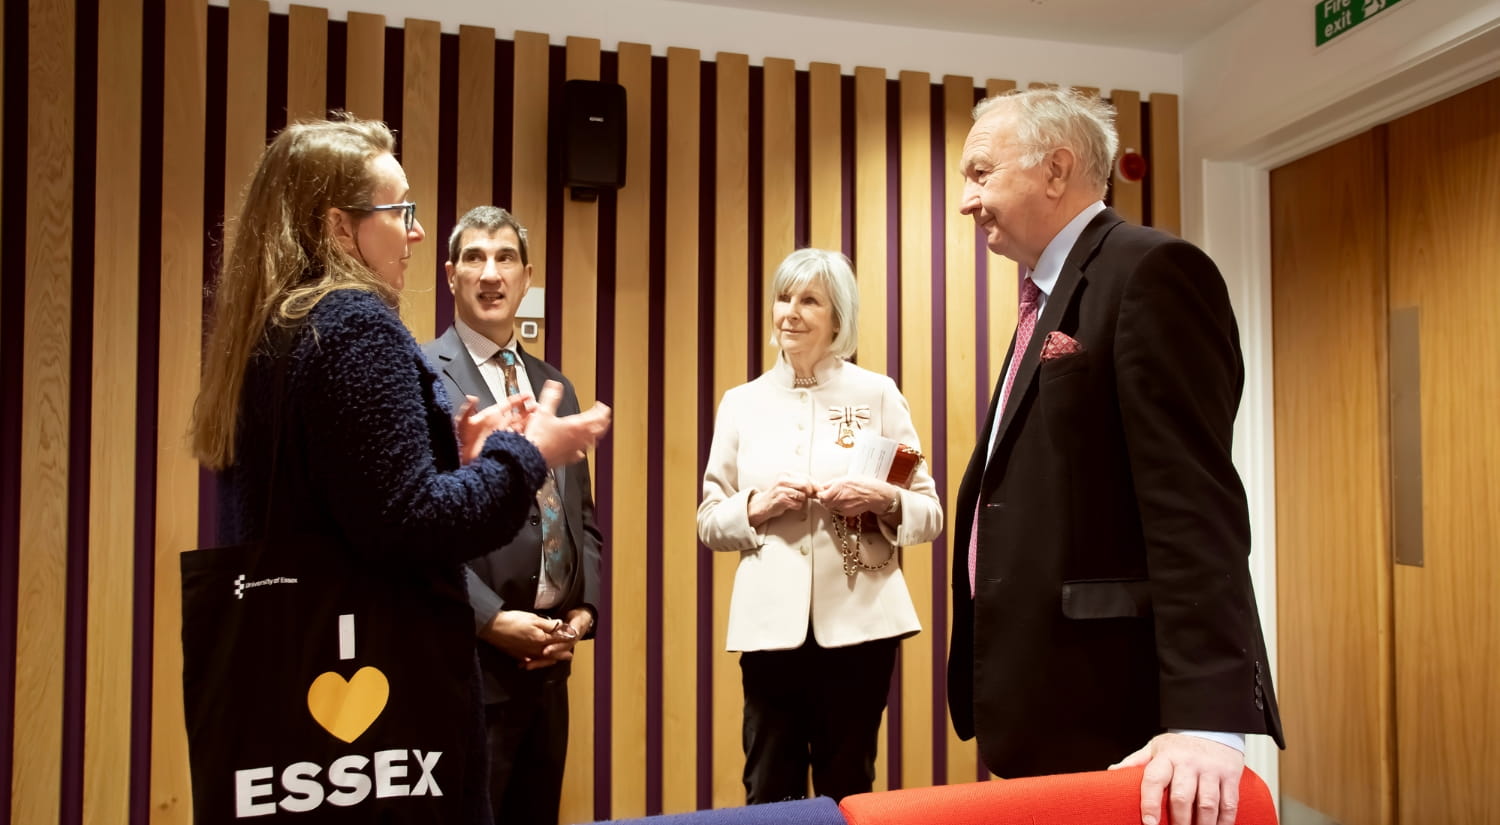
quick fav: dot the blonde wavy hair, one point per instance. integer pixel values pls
(284, 259)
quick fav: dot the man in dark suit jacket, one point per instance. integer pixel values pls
(1102, 595)
(529, 610)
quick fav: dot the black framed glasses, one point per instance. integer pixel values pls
(408, 211)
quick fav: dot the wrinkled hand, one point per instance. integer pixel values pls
(850, 496)
(474, 427)
(567, 635)
(790, 492)
(1203, 777)
(564, 440)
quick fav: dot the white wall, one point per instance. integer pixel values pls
(1257, 94)
(710, 29)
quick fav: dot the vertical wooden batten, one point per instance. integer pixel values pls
(107, 704)
(418, 145)
(181, 311)
(871, 268)
(731, 366)
(529, 158)
(364, 74)
(244, 105)
(1127, 195)
(779, 176)
(951, 457)
(42, 570)
(580, 347)
(306, 63)
(916, 384)
(1163, 167)
(476, 119)
(680, 471)
(825, 156)
(1002, 286)
(633, 380)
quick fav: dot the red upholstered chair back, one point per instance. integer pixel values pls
(1097, 798)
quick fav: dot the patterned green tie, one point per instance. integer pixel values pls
(548, 502)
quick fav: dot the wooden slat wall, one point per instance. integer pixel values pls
(905, 136)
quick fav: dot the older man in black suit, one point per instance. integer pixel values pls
(1102, 595)
(535, 597)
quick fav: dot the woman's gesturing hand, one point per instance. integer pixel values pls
(564, 439)
(474, 427)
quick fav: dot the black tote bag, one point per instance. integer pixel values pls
(322, 689)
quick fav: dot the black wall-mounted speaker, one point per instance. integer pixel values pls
(592, 139)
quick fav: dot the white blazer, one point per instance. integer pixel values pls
(790, 567)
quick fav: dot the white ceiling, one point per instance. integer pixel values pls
(1153, 25)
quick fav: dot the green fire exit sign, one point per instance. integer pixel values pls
(1334, 17)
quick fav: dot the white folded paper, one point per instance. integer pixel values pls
(872, 456)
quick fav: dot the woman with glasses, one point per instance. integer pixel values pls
(316, 397)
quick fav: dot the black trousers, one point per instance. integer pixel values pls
(818, 708)
(528, 743)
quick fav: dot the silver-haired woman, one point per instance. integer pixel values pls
(819, 602)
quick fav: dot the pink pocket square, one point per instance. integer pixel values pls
(1057, 345)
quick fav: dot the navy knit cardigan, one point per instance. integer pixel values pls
(368, 454)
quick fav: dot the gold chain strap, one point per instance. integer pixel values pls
(849, 547)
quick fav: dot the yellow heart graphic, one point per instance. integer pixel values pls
(347, 709)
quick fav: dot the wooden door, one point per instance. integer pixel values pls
(1444, 241)
(1328, 247)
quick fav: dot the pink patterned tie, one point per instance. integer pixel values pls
(1025, 326)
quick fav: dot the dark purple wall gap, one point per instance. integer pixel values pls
(801, 164)
(214, 219)
(755, 234)
(557, 67)
(277, 32)
(893, 362)
(656, 393)
(338, 56)
(148, 326)
(12, 343)
(444, 214)
(707, 237)
(846, 165)
(505, 119)
(80, 420)
(604, 486)
(940, 557)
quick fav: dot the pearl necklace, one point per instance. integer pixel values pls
(798, 381)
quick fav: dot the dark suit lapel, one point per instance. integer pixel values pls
(456, 363)
(1057, 307)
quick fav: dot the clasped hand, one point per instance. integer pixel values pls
(537, 641)
(560, 439)
(843, 496)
